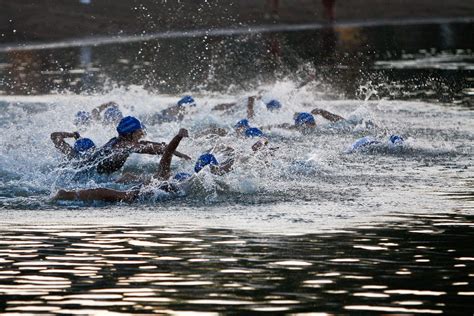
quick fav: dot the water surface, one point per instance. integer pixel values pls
(306, 227)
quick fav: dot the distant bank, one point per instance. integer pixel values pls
(51, 20)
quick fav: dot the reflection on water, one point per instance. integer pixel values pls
(423, 264)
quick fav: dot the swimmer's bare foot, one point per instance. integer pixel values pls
(183, 132)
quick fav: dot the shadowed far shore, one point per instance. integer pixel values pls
(52, 20)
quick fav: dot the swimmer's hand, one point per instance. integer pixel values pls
(76, 135)
(183, 132)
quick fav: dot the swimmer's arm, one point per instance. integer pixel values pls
(224, 106)
(61, 144)
(284, 126)
(152, 148)
(212, 131)
(99, 194)
(223, 168)
(327, 115)
(96, 112)
(129, 177)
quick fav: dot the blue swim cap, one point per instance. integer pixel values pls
(253, 132)
(274, 105)
(187, 100)
(82, 118)
(128, 125)
(396, 139)
(112, 115)
(304, 118)
(204, 160)
(242, 123)
(182, 176)
(83, 144)
(363, 142)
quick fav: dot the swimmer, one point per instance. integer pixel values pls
(111, 116)
(271, 105)
(368, 141)
(242, 129)
(328, 115)
(82, 119)
(109, 195)
(304, 123)
(82, 148)
(227, 155)
(174, 112)
(112, 156)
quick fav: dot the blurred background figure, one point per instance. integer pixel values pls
(329, 9)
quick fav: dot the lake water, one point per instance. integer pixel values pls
(305, 227)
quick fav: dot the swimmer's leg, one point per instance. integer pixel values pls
(99, 194)
(164, 169)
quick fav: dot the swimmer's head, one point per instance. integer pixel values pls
(242, 126)
(130, 125)
(396, 139)
(273, 105)
(182, 176)
(204, 160)
(187, 101)
(304, 120)
(82, 118)
(242, 123)
(112, 115)
(83, 145)
(253, 132)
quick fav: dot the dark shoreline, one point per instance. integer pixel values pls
(52, 20)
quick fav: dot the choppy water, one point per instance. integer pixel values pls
(303, 228)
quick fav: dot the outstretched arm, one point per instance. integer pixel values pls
(61, 144)
(327, 115)
(224, 106)
(96, 112)
(223, 168)
(283, 126)
(164, 168)
(153, 148)
(99, 194)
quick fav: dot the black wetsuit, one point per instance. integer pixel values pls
(111, 159)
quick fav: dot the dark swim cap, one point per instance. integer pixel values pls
(253, 132)
(187, 100)
(204, 160)
(242, 123)
(112, 115)
(128, 125)
(304, 118)
(82, 118)
(182, 176)
(274, 105)
(83, 144)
